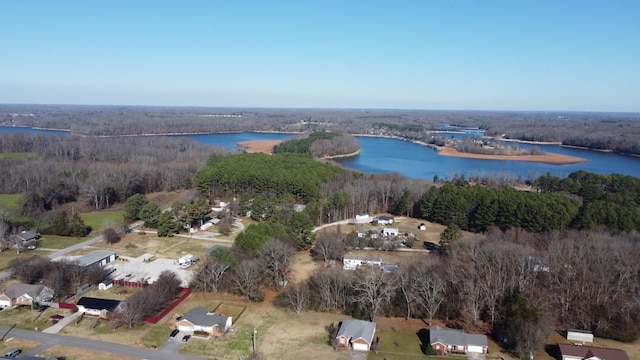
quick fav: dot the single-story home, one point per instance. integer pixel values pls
(580, 336)
(23, 239)
(384, 220)
(373, 234)
(356, 333)
(199, 319)
(581, 352)
(98, 307)
(445, 341)
(390, 231)
(24, 294)
(363, 218)
(352, 262)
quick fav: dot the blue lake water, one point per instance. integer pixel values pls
(384, 155)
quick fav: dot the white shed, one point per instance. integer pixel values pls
(580, 336)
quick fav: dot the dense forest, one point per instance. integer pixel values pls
(619, 132)
(320, 145)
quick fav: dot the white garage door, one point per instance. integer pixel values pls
(5, 303)
(184, 327)
(362, 347)
(474, 349)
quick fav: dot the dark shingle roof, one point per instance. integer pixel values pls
(589, 352)
(98, 304)
(200, 316)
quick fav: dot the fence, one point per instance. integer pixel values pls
(154, 319)
(63, 305)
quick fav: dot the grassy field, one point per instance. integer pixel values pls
(136, 244)
(10, 202)
(25, 318)
(99, 220)
(14, 155)
(60, 242)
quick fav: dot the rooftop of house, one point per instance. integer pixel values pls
(360, 257)
(448, 336)
(93, 257)
(200, 316)
(590, 352)
(15, 290)
(98, 304)
(354, 329)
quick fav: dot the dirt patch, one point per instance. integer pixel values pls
(301, 337)
(546, 158)
(259, 146)
(303, 266)
(71, 353)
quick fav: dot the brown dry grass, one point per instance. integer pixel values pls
(546, 158)
(259, 146)
(71, 353)
(303, 266)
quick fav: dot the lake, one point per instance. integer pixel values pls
(384, 155)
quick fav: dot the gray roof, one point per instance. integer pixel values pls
(455, 337)
(94, 257)
(200, 316)
(15, 290)
(355, 329)
(28, 235)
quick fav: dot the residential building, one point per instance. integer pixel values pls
(356, 333)
(200, 320)
(446, 341)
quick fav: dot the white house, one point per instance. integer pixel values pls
(580, 336)
(363, 218)
(373, 234)
(221, 206)
(384, 220)
(390, 231)
(352, 262)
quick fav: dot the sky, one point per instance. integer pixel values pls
(536, 55)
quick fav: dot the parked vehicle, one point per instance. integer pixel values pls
(186, 338)
(13, 353)
(174, 333)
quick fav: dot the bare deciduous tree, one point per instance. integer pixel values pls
(328, 246)
(275, 257)
(373, 290)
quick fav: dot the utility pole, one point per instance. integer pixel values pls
(254, 338)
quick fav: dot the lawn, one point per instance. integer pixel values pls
(14, 155)
(100, 220)
(24, 345)
(10, 202)
(25, 318)
(8, 255)
(136, 244)
(59, 242)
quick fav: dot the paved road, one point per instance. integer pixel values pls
(96, 345)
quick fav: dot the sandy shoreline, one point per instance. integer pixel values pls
(266, 147)
(546, 158)
(259, 146)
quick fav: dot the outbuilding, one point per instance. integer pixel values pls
(580, 336)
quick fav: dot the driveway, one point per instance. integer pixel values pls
(96, 345)
(62, 323)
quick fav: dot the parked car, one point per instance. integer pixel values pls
(31, 247)
(13, 353)
(186, 338)
(174, 333)
(42, 308)
(55, 318)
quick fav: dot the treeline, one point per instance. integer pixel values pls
(608, 131)
(320, 144)
(612, 200)
(477, 208)
(278, 174)
(98, 171)
(517, 284)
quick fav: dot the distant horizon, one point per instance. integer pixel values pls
(542, 55)
(319, 108)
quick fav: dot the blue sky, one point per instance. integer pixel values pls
(577, 55)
